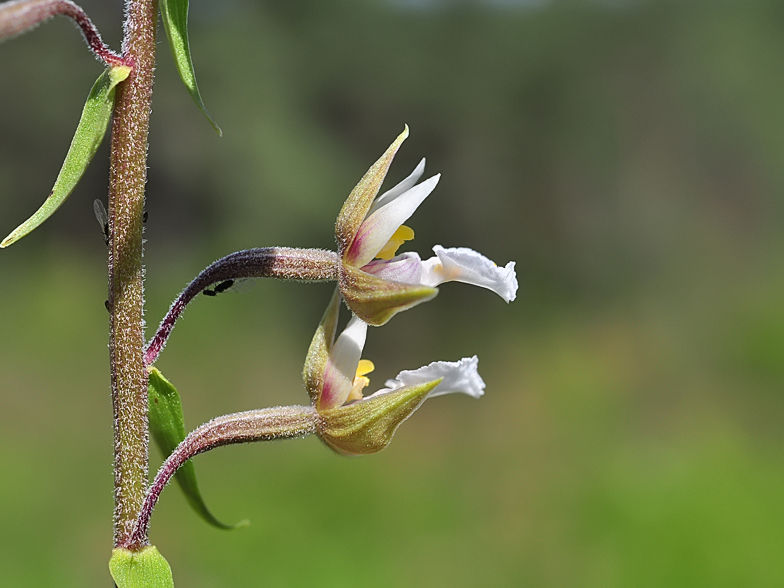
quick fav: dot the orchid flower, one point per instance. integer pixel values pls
(335, 376)
(375, 282)
(371, 227)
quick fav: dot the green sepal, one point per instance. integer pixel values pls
(367, 426)
(320, 346)
(376, 300)
(92, 127)
(361, 198)
(175, 21)
(145, 568)
(167, 427)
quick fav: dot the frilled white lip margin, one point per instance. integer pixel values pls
(458, 376)
(450, 264)
(461, 264)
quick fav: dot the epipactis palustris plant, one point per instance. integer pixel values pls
(373, 280)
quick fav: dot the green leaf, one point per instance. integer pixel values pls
(145, 568)
(89, 134)
(175, 21)
(168, 429)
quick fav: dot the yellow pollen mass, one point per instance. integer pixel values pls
(400, 236)
(365, 367)
(360, 381)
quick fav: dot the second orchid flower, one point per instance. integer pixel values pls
(335, 376)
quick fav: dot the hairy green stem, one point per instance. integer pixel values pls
(128, 174)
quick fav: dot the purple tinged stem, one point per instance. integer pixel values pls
(244, 427)
(21, 16)
(312, 265)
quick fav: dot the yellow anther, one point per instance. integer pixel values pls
(365, 367)
(400, 236)
(360, 381)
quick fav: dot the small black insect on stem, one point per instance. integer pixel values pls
(102, 218)
(221, 287)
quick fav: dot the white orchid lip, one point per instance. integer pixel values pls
(344, 358)
(461, 264)
(458, 376)
(406, 268)
(453, 264)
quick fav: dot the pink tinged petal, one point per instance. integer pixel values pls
(342, 365)
(458, 376)
(405, 268)
(460, 264)
(402, 187)
(377, 228)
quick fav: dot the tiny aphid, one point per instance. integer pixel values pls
(108, 306)
(144, 217)
(219, 288)
(234, 286)
(102, 218)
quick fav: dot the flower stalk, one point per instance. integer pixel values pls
(22, 15)
(268, 424)
(311, 265)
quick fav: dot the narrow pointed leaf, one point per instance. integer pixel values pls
(168, 429)
(89, 134)
(175, 21)
(145, 568)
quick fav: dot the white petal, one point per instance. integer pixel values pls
(460, 264)
(406, 268)
(403, 186)
(342, 365)
(377, 228)
(459, 376)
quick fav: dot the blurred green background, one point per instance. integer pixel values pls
(627, 154)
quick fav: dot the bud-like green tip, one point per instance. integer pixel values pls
(361, 198)
(320, 346)
(376, 300)
(367, 426)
